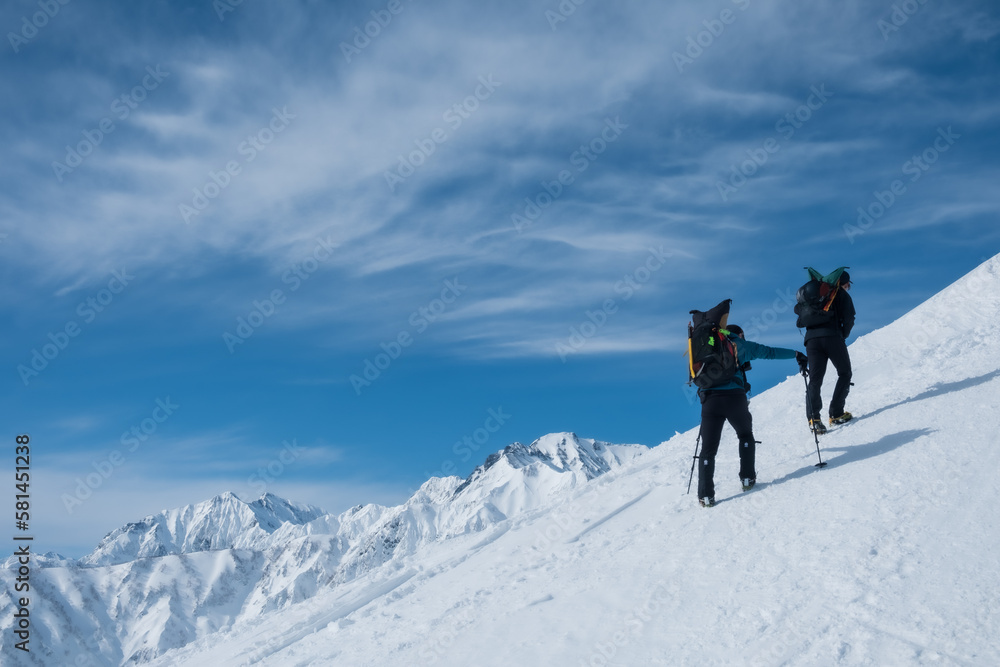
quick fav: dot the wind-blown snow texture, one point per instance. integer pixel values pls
(573, 552)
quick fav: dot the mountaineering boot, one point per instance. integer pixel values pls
(706, 502)
(846, 417)
(816, 426)
(748, 483)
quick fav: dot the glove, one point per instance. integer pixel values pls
(803, 362)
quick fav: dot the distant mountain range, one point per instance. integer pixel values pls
(174, 577)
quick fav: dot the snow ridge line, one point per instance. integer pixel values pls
(361, 599)
(609, 516)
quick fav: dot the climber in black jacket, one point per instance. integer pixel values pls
(828, 342)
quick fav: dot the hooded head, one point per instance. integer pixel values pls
(845, 280)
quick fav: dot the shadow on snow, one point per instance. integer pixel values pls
(939, 390)
(888, 443)
(857, 453)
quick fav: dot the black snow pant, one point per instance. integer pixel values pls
(716, 409)
(819, 351)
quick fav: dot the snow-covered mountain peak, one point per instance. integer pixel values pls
(562, 452)
(272, 511)
(520, 478)
(566, 451)
(436, 490)
(222, 522)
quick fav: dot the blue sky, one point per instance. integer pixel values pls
(328, 249)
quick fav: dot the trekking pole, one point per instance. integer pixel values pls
(821, 463)
(694, 460)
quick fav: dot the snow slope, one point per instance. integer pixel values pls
(888, 556)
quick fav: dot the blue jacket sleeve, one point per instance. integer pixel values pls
(749, 350)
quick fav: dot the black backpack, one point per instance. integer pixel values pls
(814, 300)
(712, 357)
